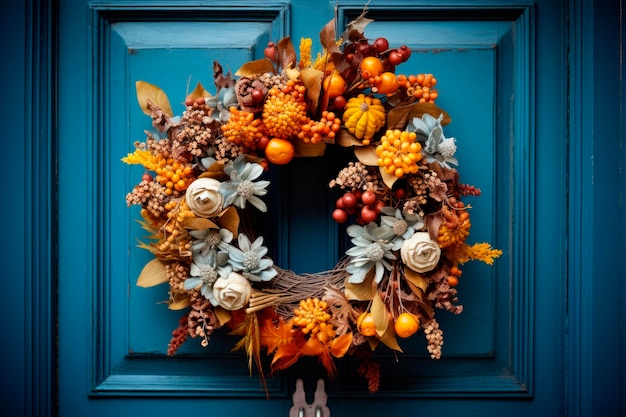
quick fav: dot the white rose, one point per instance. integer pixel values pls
(232, 292)
(420, 253)
(202, 197)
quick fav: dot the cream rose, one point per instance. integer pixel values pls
(420, 253)
(232, 292)
(202, 197)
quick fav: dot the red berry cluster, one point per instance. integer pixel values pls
(364, 204)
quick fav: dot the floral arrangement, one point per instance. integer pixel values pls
(400, 197)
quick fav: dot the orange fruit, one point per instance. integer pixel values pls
(371, 67)
(334, 85)
(388, 83)
(365, 324)
(279, 151)
(406, 325)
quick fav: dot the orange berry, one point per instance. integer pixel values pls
(406, 325)
(371, 67)
(452, 281)
(388, 83)
(365, 324)
(279, 151)
(334, 85)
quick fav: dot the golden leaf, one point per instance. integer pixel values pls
(150, 92)
(416, 279)
(381, 316)
(346, 139)
(303, 149)
(272, 336)
(364, 291)
(312, 80)
(153, 273)
(258, 67)
(223, 315)
(229, 219)
(366, 155)
(179, 303)
(199, 223)
(198, 92)
(390, 340)
(340, 345)
(388, 179)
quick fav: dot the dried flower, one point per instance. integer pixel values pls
(209, 239)
(436, 146)
(249, 259)
(203, 197)
(232, 292)
(241, 188)
(420, 252)
(205, 271)
(372, 250)
(402, 223)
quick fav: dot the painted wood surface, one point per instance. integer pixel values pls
(542, 335)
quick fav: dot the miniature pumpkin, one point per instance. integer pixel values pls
(364, 116)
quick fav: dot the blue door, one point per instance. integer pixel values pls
(502, 355)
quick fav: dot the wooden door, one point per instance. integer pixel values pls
(499, 355)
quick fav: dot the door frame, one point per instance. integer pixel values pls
(595, 306)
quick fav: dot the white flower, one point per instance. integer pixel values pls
(243, 187)
(401, 222)
(420, 253)
(203, 197)
(233, 292)
(205, 270)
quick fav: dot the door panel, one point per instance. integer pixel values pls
(482, 55)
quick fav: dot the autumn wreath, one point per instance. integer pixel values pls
(400, 197)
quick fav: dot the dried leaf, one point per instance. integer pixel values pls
(312, 79)
(416, 278)
(303, 149)
(274, 336)
(223, 315)
(258, 67)
(380, 314)
(364, 291)
(179, 303)
(399, 117)
(312, 347)
(340, 345)
(293, 74)
(433, 222)
(346, 139)
(286, 53)
(328, 38)
(150, 92)
(285, 356)
(198, 92)
(229, 219)
(153, 273)
(366, 155)
(357, 25)
(388, 179)
(390, 340)
(199, 223)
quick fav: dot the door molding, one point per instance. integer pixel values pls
(585, 350)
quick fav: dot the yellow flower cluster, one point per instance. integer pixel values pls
(284, 113)
(172, 174)
(243, 129)
(312, 317)
(399, 153)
